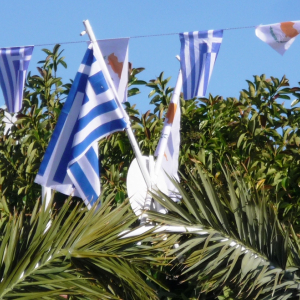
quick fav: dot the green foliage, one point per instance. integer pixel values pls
(257, 134)
(161, 94)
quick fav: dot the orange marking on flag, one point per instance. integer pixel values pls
(165, 155)
(288, 29)
(115, 64)
(171, 112)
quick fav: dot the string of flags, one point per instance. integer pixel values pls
(91, 111)
(14, 61)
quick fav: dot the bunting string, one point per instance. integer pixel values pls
(138, 36)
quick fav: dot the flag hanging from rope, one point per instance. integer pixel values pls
(199, 51)
(14, 63)
(115, 54)
(279, 36)
(70, 164)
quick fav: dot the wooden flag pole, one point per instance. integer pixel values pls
(134, 145)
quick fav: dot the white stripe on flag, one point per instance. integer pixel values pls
(102, 98)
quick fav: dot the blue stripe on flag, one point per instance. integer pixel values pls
(202, 51)
(102, 131)
(95, 112)
(28, 51)
(218, 33)
(20, 83)
(89, 192)
(207, 71)
(15, 51)
(16, 65)
(3, 85)
(9, 75)
(88, 58)
(203, 34)
(66, 157)
(192, 60)
(216, 47)
(182, 58)
(79, 82)
(93, 160)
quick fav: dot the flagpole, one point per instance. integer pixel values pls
(134, 145)
(167, 129)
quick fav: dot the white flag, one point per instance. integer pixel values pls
(115, 54)
(279, 36)
(169, 143)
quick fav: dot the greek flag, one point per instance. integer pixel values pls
(14, 63)
(199, 50)
(71, 164)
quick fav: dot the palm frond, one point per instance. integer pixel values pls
(239, 243)
(77, 252)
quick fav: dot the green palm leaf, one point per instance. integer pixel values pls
(239, 244)
(77, 252)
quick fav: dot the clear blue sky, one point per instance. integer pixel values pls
(241, 55)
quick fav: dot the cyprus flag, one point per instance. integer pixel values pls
(279, 36)
(115, 54)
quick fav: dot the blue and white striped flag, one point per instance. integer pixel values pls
(199, 50)
(71, 164)
(14, 63)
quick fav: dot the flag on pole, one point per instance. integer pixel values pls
(279, 36)
(115, 54)
(71, 164)
(14, 63)
(170, 150)
(199, 51)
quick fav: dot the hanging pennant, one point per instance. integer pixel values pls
(199, 51)
(115, 54)
(279, 36)
(14, 63)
